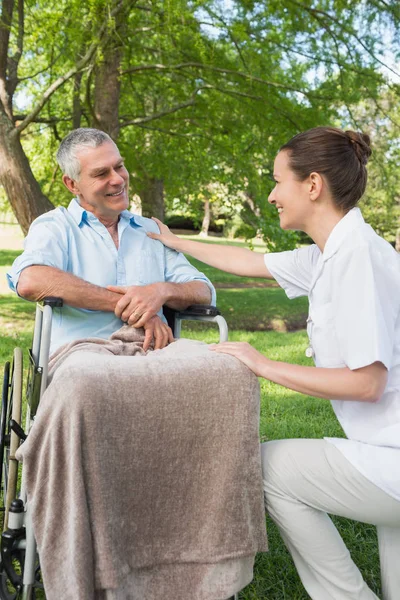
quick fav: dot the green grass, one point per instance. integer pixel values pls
(259, 309)
(274, 325)
(16, 325)
(7, 257)
(217, 276)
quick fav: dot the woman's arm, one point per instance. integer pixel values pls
(238, 261)
(364, 385)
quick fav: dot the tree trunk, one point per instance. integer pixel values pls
(251, 214)
(397, 246)
(152, 197)
(76, 102)
(206, 219)
(23, 191)
(107, 85)
(106, 95)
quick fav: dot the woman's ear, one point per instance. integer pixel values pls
(316, 184)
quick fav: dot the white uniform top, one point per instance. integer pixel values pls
(354, 320)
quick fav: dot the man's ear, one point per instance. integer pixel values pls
(316, 184)
(70, 184)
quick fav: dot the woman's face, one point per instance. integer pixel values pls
(290, 196)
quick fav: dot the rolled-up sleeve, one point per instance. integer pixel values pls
(179, 270)
(293, 269)
(44, 245)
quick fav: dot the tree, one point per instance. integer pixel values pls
(195, 94)
(25, 196)
(381, 203)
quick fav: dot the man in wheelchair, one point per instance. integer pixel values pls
(142, 468)
(96, 255)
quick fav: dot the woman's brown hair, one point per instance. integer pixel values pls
(340, 156)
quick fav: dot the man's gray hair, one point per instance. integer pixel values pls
(84, 137)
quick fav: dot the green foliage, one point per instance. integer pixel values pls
(209, 93)
(236, 228)
(7, 257)
(380, 205)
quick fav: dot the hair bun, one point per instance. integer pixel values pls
(361, 144)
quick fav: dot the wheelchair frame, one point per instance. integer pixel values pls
(18, 545)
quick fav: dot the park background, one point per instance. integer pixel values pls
(200, 95)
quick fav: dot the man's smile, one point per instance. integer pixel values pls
(119, 193)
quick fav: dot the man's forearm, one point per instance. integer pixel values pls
(181, 295)
(38, 281)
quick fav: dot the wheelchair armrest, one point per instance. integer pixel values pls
(199, 310)
(52, 301)
(196, 312)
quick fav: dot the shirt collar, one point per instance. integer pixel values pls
(76, 211)
(352, 220)
(80, 215)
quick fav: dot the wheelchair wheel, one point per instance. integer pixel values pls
(9, 441)
(3, 419)
(11, 588)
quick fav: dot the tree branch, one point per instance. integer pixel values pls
(315, 12)
(88, 95)
(386, 114)
(47, 120)
(46, 68)
(233, 93)
(164, 113)
(14, 60)
(327, 61)
(5, 29)
(81, 65)
(173, 133)
(228, 29)
(241, 74)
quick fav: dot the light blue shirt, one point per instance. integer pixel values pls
(74, 240)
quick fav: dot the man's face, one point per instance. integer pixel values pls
(103, 184)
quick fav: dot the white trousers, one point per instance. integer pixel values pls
(303, 481)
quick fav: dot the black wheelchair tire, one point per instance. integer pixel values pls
(14, 411)
(3, 422)
(8, 591)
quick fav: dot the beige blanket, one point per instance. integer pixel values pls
(139, 461)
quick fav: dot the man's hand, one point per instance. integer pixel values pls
(138, 304)
(156, 329)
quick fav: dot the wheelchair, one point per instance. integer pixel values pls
(20, 576)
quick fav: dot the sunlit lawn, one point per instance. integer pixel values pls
(277, 330)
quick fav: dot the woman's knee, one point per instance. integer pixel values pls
(275, 458)
(285, 464)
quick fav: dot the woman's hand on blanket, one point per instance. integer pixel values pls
(165, 236)
(138, 303)
(244, 352)
(156, 329)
